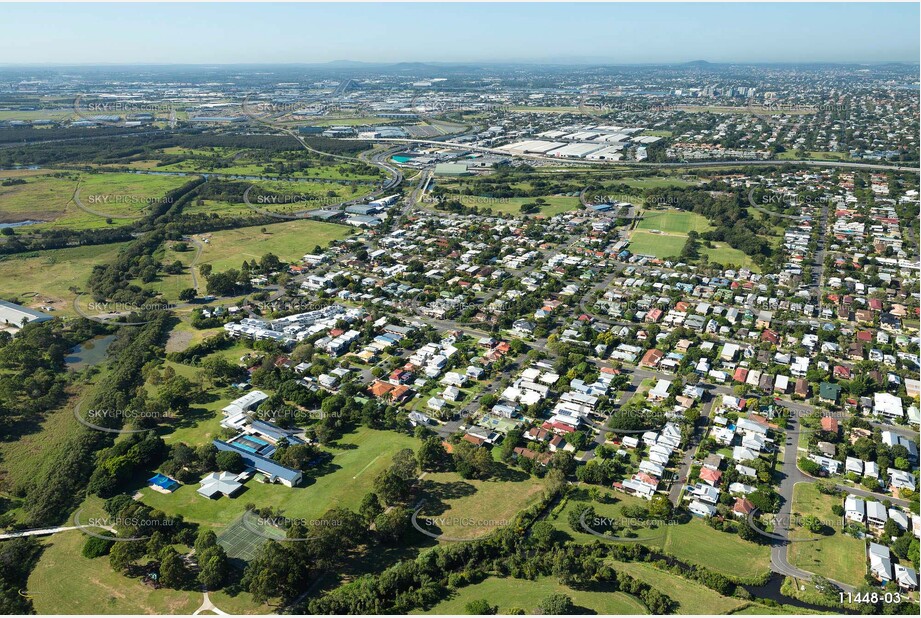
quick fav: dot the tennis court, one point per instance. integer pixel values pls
(241, 542)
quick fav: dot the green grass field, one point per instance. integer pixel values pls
(23, 458)
(721, 253)
(664, 233)
(674, 221)
(49, 198)
(472, 508)
(64, 582)
(694, 598)
(289, 241)
(612, 507)
(659, 245)
(816, 155)
(357, 459)
(651, 182)
(837, 556)
(51, 273)
(512, 205)
(525, 594)
(246, 162)
(726, 553)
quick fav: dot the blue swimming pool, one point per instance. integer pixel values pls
(251, 444)
(161, 480)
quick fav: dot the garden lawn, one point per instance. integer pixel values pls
(554, 204)
(658, 245)
(677, 221)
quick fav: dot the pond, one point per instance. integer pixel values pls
(89, 353)
(19, 223)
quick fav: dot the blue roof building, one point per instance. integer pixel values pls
(272, 469)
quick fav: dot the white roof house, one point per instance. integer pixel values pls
(701, 509)
(887, 405)
(660, 391)
(876, 513)
(906, 577)
(900, 479)
(855, 509)
(740, 453)
(249, 401)
(880, 561)
(219, 483)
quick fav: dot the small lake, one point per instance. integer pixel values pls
(19, 224)
(89, 353)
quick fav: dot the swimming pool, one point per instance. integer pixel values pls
(251, 444)
(161, 480)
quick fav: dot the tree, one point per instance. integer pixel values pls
(390, 487)
(124, 553)
(214, 567)
(563, 461)
(432, 455)
(481, 607)
(542, 534)
(370, 507)
(812, 523)
(187, 294)
(230, 461)
(390, 525)
(206, 538)
(404, 464)
(660, 507)
(556, 603)
(95, 547)
(173, 572)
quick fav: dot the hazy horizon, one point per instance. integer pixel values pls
(458, 33)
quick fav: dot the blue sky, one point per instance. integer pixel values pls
(441, 32)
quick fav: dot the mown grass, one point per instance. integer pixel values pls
(64, 582)
(837, 555)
